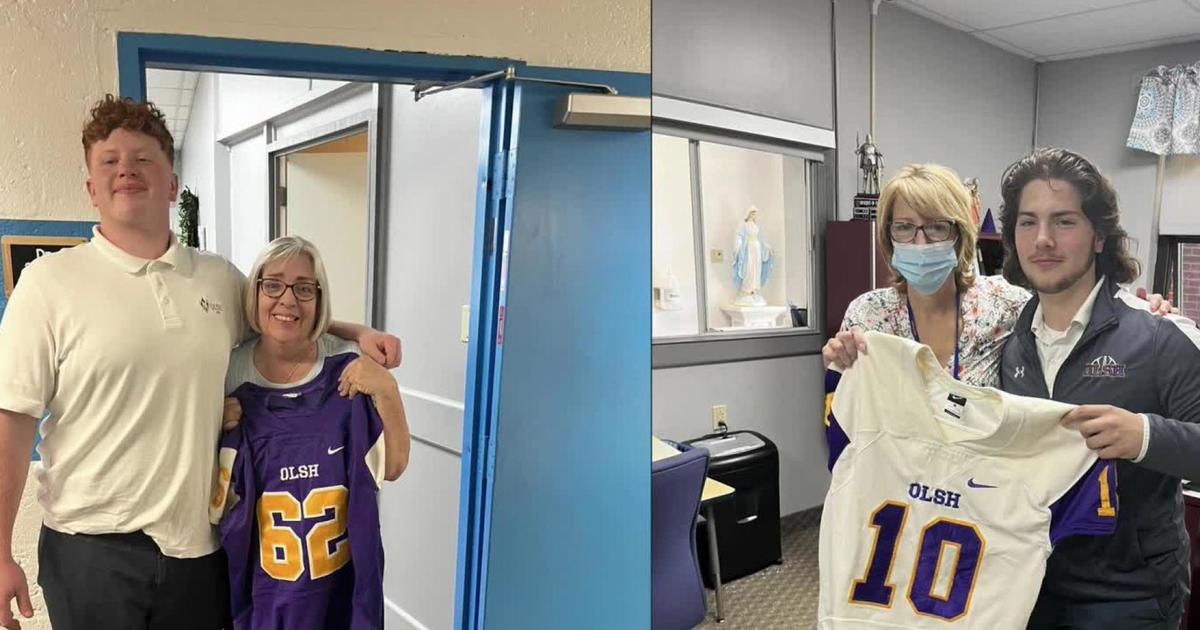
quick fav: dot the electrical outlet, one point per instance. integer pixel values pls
(720, 418)
(718, 255)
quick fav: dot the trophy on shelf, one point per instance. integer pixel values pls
(870, 164)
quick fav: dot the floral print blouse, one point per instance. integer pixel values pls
(989, 311)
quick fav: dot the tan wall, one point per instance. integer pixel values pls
(60, 55)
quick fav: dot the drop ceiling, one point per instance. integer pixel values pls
(172, 91)
(1045, 30)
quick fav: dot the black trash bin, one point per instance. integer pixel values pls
(748, 533)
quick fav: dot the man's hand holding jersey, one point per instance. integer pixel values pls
(384, 348)
(365, 376)
(1112, 432)
(231, 415)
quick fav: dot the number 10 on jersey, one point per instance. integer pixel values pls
(943, 541)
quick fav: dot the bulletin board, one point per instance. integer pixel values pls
(20, 251)
(22, 241)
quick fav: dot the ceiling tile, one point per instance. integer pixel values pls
(917, 7)
(1132, 24)
(989, 14)
(162, 97)
(185, 97)
(158, 78)
(1115, 48)
(1004, 45)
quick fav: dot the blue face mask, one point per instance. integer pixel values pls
(925, 267)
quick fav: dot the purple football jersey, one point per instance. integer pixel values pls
(301, 477)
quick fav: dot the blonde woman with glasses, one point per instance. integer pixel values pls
(320, 429)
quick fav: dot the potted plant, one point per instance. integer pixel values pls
(189, 218)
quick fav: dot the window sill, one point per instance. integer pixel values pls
(669, 352)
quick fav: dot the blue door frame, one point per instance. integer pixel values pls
(569, 525)
(136, 52)
(497, 155)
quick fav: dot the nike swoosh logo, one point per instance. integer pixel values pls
(971, 483)
(331, 451)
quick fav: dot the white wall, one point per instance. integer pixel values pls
(226, 104)
(731, 180)
(674, 234)
(328, 204)
(249, 201)
(60, 56)
(246, 100)
(355, 101)
(236, 212)
(430, 243)
(795, 273)
(1098, 124)
(198, 163)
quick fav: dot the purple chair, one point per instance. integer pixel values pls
(676, 591)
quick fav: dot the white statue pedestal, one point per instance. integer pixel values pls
(754, 316)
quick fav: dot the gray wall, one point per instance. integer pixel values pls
(942, 96)
(769, 57)
(781, 398)
(1087, 105)
(774, 58)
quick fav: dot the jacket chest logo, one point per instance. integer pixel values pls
(1104, 366)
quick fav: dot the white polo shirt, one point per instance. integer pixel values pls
(128, 356)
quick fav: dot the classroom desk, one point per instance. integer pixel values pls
(713, 491)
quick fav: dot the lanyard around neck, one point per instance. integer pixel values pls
(912, 322)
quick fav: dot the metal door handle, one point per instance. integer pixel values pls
(748, 519)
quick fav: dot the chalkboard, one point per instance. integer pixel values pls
(19, 251)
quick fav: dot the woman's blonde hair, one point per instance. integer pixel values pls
(936, 193)
(283, 249)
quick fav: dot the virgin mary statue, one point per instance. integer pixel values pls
(751, 262)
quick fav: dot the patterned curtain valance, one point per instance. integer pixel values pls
(1167, 120)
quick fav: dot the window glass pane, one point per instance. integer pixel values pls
(674, 250)
(1189, 276)
(757, 246)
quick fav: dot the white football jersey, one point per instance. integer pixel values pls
(946, 499)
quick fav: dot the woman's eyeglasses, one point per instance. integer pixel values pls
(935, 231)
(304, 291)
